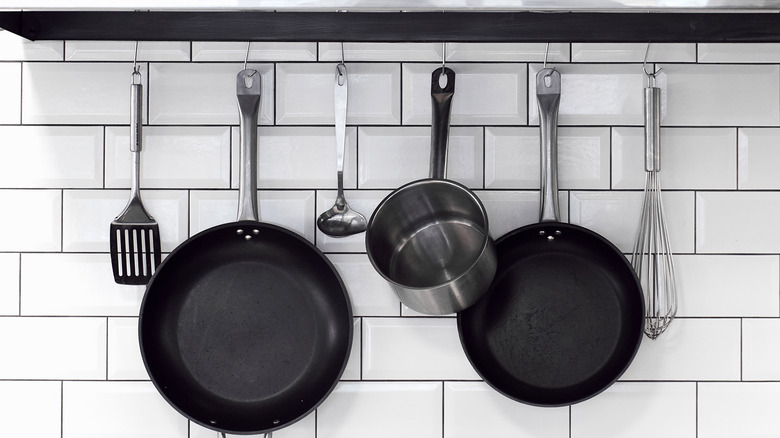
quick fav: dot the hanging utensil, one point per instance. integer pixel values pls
(246, 327)
(430, 238)
(652, 256)
(134, 235)
(563, 318)
(341, 220)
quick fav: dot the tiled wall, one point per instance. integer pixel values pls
(70, 365)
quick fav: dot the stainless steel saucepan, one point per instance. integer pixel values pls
(429, 238)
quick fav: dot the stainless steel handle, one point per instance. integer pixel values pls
(340, 89)
(248, 95)
(136, 144)
(548, 99)
(441, 99)
(652, 129)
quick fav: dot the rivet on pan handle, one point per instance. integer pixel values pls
(441, 99)
(548, 99)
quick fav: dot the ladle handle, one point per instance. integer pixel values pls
(340, 89)
(441, 99)
(248, 95)
(548, 98)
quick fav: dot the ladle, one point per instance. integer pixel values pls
(340, 220)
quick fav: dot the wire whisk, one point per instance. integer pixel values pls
(652, 257)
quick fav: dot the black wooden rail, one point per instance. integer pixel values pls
(454, 26)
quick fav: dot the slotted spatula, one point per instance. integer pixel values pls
(135, 235)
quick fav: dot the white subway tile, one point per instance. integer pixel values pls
(352, 369)
(733, 222)
(16, 48)
(485, 94)
(758, 157)
(203, 94)
(728, 286)
(305, 428)
(512, 158)
(77, 93)
(126, 50)
(31, 408)
(270, 51)
(364, 201)
(475, 409)
(745, 410)
(87, 217)
(9, 284)
(507, 52)
(760, 355)
(75, 285)
(414, 349)
(37, 226)
(633, 52)
(53, 348)
(720, 95)
(118, 410)
(293, 210)
(370, 294)
(615, 215)
(594, 94)
(393, 156)
(124, 354)
(299, 157)
(382, 409)
(11, 90)
(752, 53)
(690, 349)
(382, 52)
(691, 158)
(509, 210)
(172, 157)
(638, 410)
(51, 156)
(304, 94)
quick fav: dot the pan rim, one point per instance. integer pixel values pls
(271, 228)
(486, 238)
(636, 339)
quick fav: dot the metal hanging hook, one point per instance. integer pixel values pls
(341, 69)
(136, 75)
(546, 52)
(443, 56)
(650, 75)
(246, 58)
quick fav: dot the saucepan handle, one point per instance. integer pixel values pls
(441, 98)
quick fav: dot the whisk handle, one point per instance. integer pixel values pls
(652, 129)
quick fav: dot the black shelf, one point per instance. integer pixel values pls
(483, 26)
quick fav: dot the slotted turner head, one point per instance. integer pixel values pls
(134, 235)
(135, 245)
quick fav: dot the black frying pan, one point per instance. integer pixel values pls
(246, 327)
(564, 315)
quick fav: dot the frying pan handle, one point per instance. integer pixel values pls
(248, 95)
(548, 98)
(441, 98)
